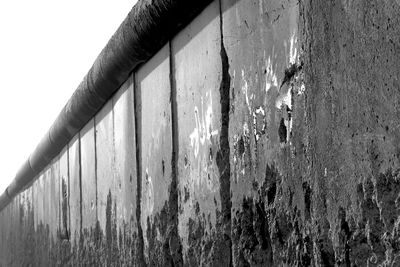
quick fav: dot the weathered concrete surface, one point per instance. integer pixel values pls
(204, 203)
(105, 164)
(261, 41)
(314, 183)
(54, 198)
(88, 172)
(351, 121)
(158, 206)
(87, 243)
(125, 173)
(64, 227)
(75, 196)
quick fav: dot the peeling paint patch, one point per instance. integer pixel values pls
(302, 89)
(150, 193)
(203, 130)
(245, 89)
(270, 76)
(256, 131)
(284, 99)
(293, 49)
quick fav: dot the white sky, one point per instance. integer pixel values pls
(46, 48)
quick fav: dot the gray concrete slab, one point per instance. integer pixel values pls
(261, 41)
(64, 196)
(198, 73)
(125, 169)
(74, 190)
(88, 172)
(156, 151)
(105, 154)
(54, 199)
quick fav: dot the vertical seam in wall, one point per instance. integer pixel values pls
(59, 194)
(114, 211)
(80, 183)
(138, 121)
(114, 150)
(174, 188)
(223, 156)
(68, 200)
(95, 165)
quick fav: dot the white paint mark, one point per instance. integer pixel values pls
(203, 130)
(246, 130)
(150, 193)
(260, 110)
(285, 95)
(293, 49)
(284, 99)
(270, 76)
(245, 89)
(256, 133)
(302, 89)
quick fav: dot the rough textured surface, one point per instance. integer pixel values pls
(126, 172)
(279, 146)
(352, 118)
(261, 41)
(158, 209)
(203, 166)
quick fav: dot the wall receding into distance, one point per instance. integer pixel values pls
(264, 133)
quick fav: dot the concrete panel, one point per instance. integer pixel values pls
(125, 169)
(106, 205)
(74, 190)
(54, 199)
(64, 196)
(14, 242)
(260, 49)
(156, 151)
(3, 230)
(40, 204)
(198, 74)
(105, 160)
(35, 203)
(261, 42)
(89, 192)
(8, 228)
(352, 121)
(47, 218)
(27, 228)
(42, 233)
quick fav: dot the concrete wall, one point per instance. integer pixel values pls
(265, 133)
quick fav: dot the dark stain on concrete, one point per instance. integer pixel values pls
(174, 241)
(251, 235)
(240, 146)
(282, 131)
(64, 211)
(164, 245)
(290, 72)
(138, 123)
(223, 245)
(164, 248)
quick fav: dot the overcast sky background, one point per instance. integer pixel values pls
(46, 48)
